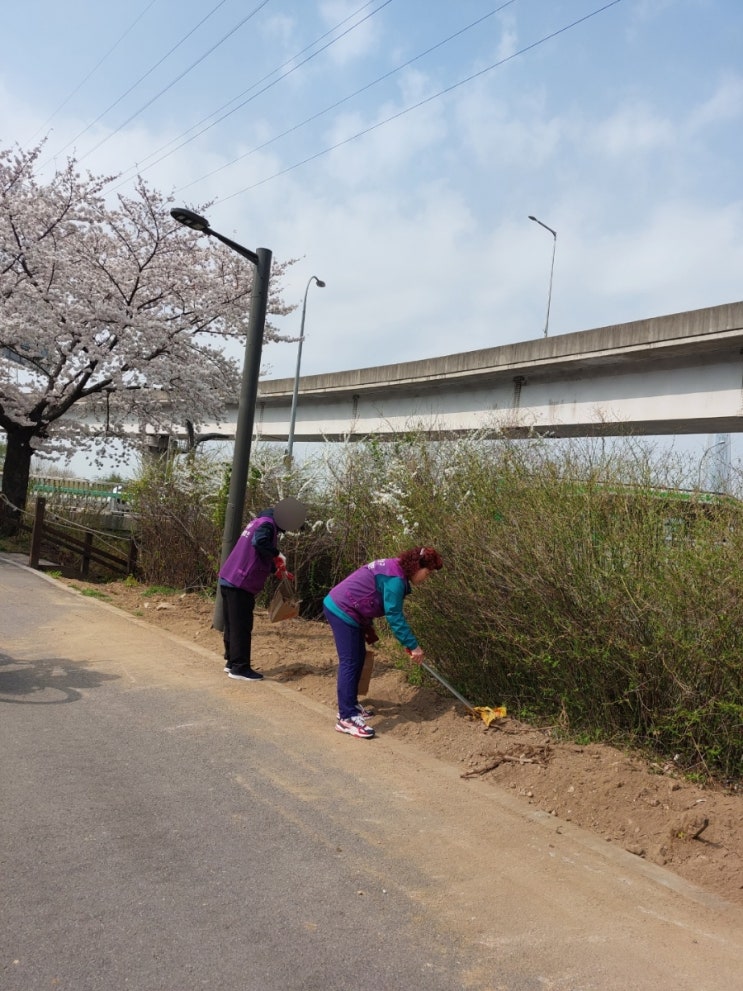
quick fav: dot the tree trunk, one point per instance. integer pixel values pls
(16, 471)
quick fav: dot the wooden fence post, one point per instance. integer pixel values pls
(87, 547)
(131, 563)
(36, 533)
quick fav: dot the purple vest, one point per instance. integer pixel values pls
(244, 566)
(358, 595)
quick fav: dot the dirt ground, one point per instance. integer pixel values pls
(648, 809)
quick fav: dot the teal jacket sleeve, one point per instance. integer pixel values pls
(393, 594)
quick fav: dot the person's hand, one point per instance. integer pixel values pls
(416, 655)
(281, 572)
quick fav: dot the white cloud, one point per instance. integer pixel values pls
(500, 133)
(356, 44)
(508, 42)
(279, 27)
(631, 131)
(725, 105)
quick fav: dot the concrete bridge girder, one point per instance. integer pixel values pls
(692, 400)
(675, 374)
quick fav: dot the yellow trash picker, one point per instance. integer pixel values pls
(484, 712)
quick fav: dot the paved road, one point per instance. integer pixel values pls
(167, 829)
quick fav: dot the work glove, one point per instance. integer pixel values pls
(281, 572)
(416, 655)
(370, 635)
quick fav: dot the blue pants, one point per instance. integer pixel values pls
(351, 647)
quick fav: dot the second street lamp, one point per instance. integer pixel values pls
(552, 269)
(293, 415)
(248, 388)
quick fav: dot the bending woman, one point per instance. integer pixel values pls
(376, 589)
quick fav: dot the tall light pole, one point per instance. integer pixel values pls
(552, 269)
(248, 388)
(293, 416)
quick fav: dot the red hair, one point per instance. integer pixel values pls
(420, 557)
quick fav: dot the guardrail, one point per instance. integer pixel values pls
(44, 533)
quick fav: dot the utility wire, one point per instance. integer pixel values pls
(95, 68)
(145, 75)
(289, 62)
(421, 103)
(345, 99)
(178, 78)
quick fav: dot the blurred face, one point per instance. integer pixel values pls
(420, 576)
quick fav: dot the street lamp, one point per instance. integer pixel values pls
(552, 269)
(293, 416)
(248, 388)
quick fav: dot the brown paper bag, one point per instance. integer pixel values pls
(284, 604)
(366, 672)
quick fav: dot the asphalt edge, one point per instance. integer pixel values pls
(619, 858)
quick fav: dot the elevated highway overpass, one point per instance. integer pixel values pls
(676, 374)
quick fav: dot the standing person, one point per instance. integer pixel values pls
(254, 557)
(376, 589)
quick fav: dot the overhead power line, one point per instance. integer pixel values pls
(178, 78)
(351, 96)
(420, 103)
(289, 62)
(95, 68)
(150, 71)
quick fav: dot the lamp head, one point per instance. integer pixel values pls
(319, 282)
(542, 224)
(190, 219)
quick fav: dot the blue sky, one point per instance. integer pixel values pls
(622, 132)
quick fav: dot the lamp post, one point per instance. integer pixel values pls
(293, 416)
(248, 388)
(552, 269)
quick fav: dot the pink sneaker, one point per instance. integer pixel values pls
(355, 726)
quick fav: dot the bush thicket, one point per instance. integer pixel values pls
(580, 587)
(177, 507)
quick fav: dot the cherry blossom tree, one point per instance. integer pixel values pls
(108, 312)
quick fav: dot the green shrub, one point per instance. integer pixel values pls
(175, 506)
(580, 588)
